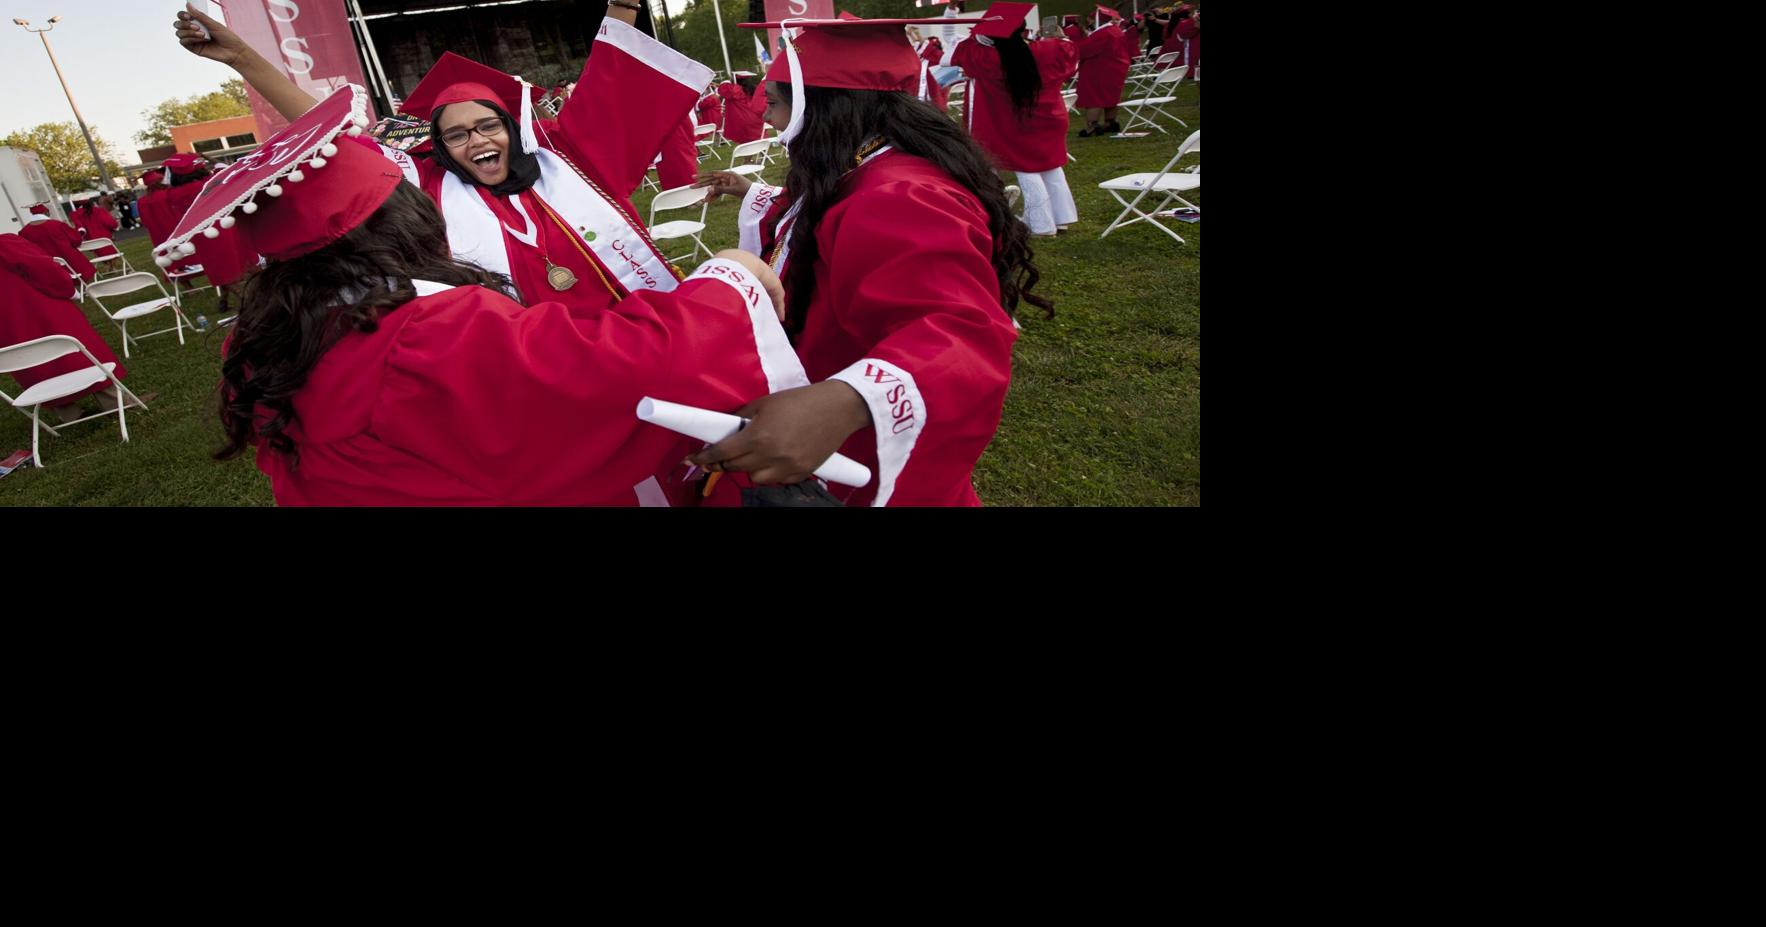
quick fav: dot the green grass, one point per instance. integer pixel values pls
(1105, 406)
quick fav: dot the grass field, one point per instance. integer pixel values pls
(1105, 406)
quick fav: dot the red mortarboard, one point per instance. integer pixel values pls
(849, 54)
(455, 79)
(314, 189)
(183, 165)
(1002, 19)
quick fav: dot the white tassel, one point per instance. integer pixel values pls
(211, 232)
(249, 208)
(317, 163)
(354, 131)
(329, 151)
(187, 248)
(274, 189)
(163, 261)
(227, 222)
(797, 101)
(295, 176)
(529, 143)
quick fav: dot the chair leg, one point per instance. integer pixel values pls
(124, 326)
(36, 451)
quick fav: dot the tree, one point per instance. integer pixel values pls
(226, 102)
(65, 156)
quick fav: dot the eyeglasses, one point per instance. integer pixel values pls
(489, 128)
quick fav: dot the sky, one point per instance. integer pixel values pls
(119, 58)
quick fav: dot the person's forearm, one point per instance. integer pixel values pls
(629, 17)
(274, 86)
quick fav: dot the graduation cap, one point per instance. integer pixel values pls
(1000, 20)
(849, 54)
(41, 209)
(456, 79)
(300, 191)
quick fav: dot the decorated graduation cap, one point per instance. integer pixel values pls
(456, 79)
(849, 54)
(302, 190)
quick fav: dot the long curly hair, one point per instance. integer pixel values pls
(291, 312)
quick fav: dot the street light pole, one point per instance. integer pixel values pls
(717, 11)
(42, 34)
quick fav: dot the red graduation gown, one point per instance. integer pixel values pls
(711, 111)
(35, 294)
(1038, 143)
(912, 320)
(1192, 36)
(93, 222)
(1103, 68)
(58, 239)
(464, 397)
(932, 51)
(742, 122)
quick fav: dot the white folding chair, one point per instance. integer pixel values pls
(52, 347)
(1143, 62)
(1142, 78)
(191, 271)
(1166, 84)
(759, 147)
(680, 198)
(79, 284)
(110, 263)
(704, 139)
(1166, 181)
(1071, 98)
(100, 290)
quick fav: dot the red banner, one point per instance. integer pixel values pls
(308, 40)
(779, 10)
